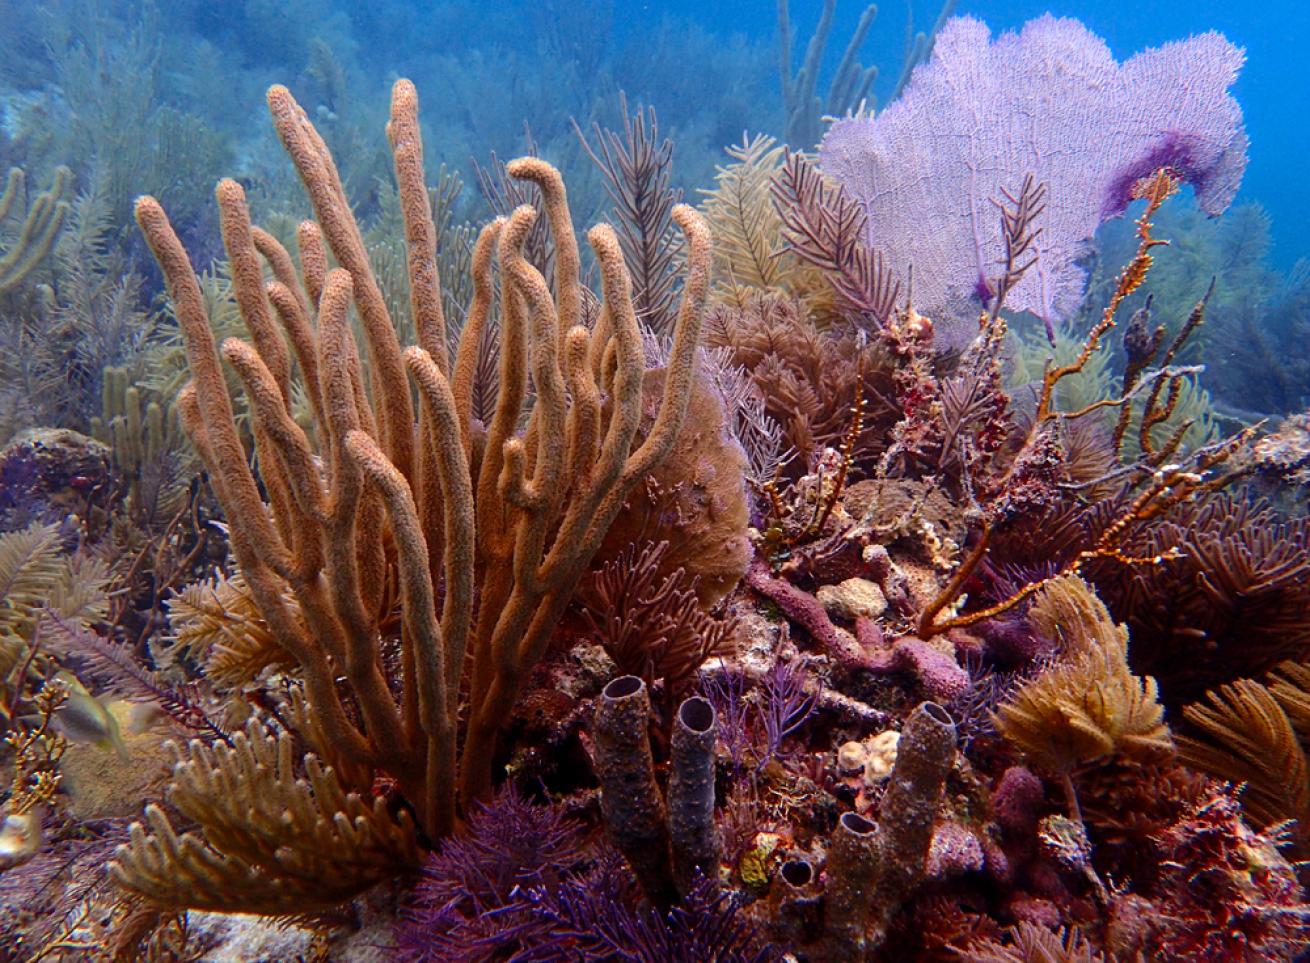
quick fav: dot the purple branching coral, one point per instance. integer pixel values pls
(558, 914)
(582, 920)
(727, 693)
(787, 700)
(509, 846)
(1050, 101)
(784, 700)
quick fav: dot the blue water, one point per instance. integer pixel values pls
(628, 45)
(99, 85)
(1274, 87)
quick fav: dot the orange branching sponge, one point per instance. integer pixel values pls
(1164, 487)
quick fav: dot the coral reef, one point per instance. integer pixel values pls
(405, 578)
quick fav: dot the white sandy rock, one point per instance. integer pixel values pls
(852, 599)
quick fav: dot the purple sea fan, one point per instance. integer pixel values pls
(1050, 100)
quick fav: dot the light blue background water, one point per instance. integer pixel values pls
(1274, 89)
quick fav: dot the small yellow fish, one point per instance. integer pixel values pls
(83, 718)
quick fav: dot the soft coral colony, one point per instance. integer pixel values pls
(597, 671)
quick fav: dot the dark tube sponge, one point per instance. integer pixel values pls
(794, 903)
(629, 796)
(691, 794)
(852, 875)
(924, 758)
(873, 869)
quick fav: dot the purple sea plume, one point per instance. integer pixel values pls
(787, 702)
(582, 920)
(727, 692)
(472, 886)
(1052, 101)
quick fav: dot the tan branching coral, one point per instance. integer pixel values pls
(1029, 943)
(1087, 706)
(36, 235)
(37, 575)
(1257, 735)
(747, 228)
(148, 447)
(384, 508)
(269, 840)
(750, 258)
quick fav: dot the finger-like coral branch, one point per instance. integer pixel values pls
(270, 841)
(343, 520)
(37, 236)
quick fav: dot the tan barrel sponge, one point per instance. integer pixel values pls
(378, 500)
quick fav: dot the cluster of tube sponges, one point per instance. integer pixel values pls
(871, 867)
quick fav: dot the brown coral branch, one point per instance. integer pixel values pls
(36, 237)
(1018, 230)
(1154, 413)
(1155, 189)
(637, 167)
(824, 227)
(1168, 487)
(269, 842)
(332, 209)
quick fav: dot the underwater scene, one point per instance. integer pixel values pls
(668, 482)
